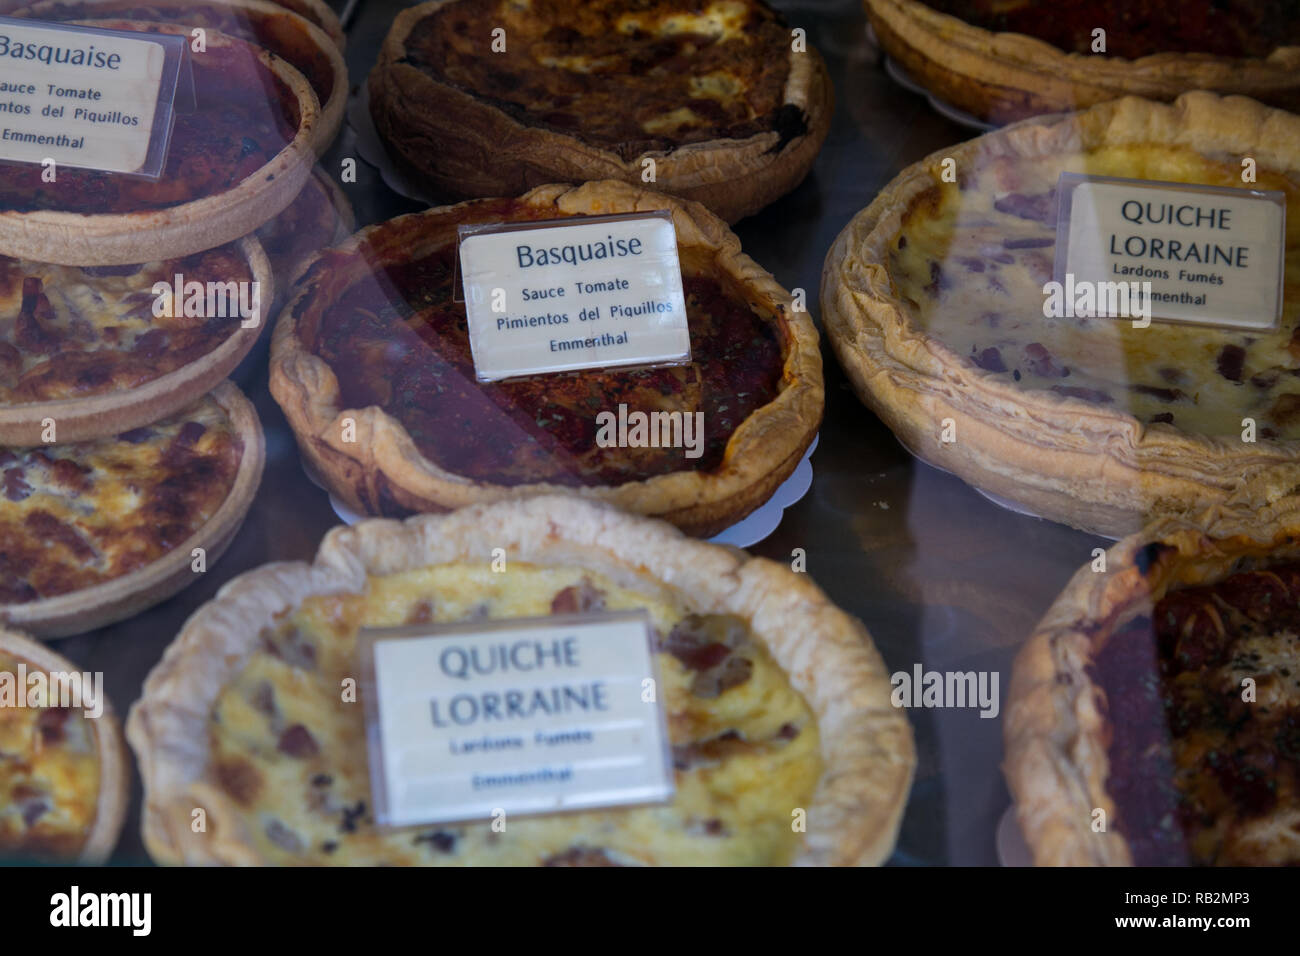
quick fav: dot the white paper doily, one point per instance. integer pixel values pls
(903, 79)
(371, 149)
(748, 531)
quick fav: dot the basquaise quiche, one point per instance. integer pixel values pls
(92, 532)
(100, 350)
(375, 342)
(316, 12)
(300, 43)
(933, 298)
(719, 102)
(63, 769)
(775, 700)
(1164, 691)
(233, 162)
(1003, 60)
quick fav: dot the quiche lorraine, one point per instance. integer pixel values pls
(97, 350)
(93, 532)
(297, 41)
(63, 767)
(719, 101)
(775, 700)
(233, 163)
(374, 346)
(1004, 60)
(933, 298)
(1165, 691)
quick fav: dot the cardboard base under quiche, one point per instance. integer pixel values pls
(746, 532)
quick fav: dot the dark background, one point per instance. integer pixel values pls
(940, 575)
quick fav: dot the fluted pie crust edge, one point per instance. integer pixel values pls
(866, 743)
(1094, 467)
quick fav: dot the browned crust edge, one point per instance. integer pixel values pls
(384, 468)
(331, 111)
(468, 148)
(866, 742)
(1065, 459)
(76, 239)
(114, 789)
(112, 601)
(1055, 733)
(1002, 77)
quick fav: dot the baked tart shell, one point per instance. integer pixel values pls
(866, 742)
(466, 147)
(114, 772)
(85, 610)
(1001, 77)
(284, 29)
(84, 419)
(1056, 731)
(383, 468)
(111, 239)
(1090, 466)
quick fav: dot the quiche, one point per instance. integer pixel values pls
(1004, 60)
(717, 102)
(233, 163)
(93, 532)
(94, 351)
(1164, 691)
(933, 298)
(297, 41)
(63, 767)
(317, 12)
(775, 700)
(374, 347)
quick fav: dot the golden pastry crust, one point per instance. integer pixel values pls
(383, 467)
(111, 413)
(89, 608)
(114, 772)
(866, 743)
(1092, 466)
(1001, 77)
(122, 238)
(1057, 731)
(467, 146)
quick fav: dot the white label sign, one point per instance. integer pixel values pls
(523, 717)
(1212, 255)
(85, 97)
(571, 294)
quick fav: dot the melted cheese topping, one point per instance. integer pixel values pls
(78, 515)
(67, 332)
(972, 259)
(49, 776)
(292, 755)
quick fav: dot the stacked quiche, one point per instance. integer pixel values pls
(127, 462)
